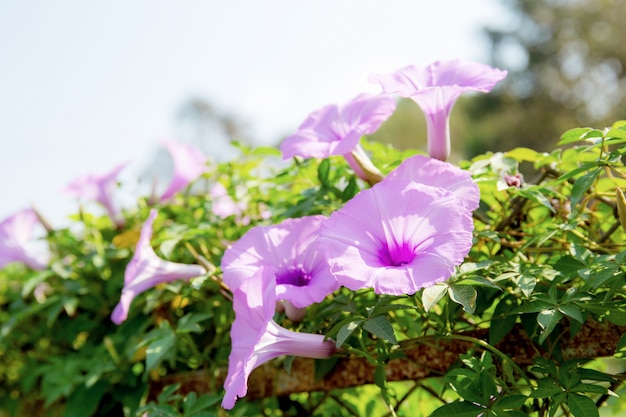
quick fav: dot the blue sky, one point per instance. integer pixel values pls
(87, 85)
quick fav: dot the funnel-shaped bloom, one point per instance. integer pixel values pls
(397, 237)
(435, 173)
(435, 89)
(146, 269)
(337, 130)
(257, 338)
(16, 240)
(290, 249)
(189, 164)
(98, 187)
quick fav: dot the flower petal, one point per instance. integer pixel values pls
(436, 173)
(335, 130)
(146, 269)
(385, 237)
(290, 249)
(189, 164)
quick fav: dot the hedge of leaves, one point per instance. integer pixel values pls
(546, 260)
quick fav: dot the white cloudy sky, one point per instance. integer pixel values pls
(85, 85)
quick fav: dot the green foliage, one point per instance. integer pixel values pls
(547, 261)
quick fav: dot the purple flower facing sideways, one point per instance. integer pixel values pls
(189, 164)
(146, 269)
(435, 89)
(98, 187)
(290, 249)
(337, 130)
(16, 241)
(435, 173)
(397, 237)
(257, 338)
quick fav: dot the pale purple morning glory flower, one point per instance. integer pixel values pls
(17, 243)
(98, 187)
(435, 173)
(337, 130)
(290, 248)
(146, 269)
(397, 237)
(257, 338)
(189, 164)
(222, 204)
(435, 89)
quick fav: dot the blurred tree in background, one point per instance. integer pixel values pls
(566, 62)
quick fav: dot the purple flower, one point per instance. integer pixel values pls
(436, 173)
(146, 269)
(98, 187)
(337, 130)
(290, 248)
(435, 89)
(16, 241)
(397, 237)
(514, 180)
(256, 338)
(189, 164)
(222, 204)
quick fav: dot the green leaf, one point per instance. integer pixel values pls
(380, 326)
(511, 402)
(458, 409)
(161, 410)
(464, 295)
(36, 279)
(571, 174)
(503, 319)
(189, 323)
(168, 246)
(476, 280)
(537, 196)
(548, 319)
(589, 388)
(84, 401)
(265, 151)
(583, 184)
(351, 189)
(546, 388)
(168, 393)
(582, 406)
(323, 171)
(616, 134)
(534, 306)
(524, 154)
(526, 283)
(574, 135)
(160, 348)
(572, 311)
(346, 331)
(192, 405)
(431, 295)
